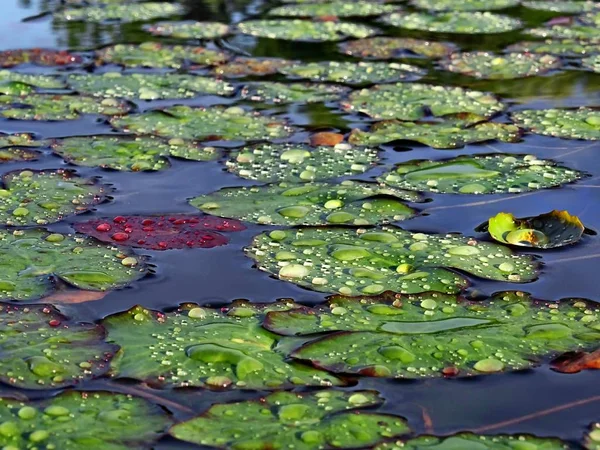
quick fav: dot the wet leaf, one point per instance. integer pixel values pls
(17, 154)
(338, 8)
(161, 232)
(454, 22)
(38, 56)
(14, 83)
(74, 296)
(574, 362)
(481, 174)
(308, 421)
(392, 47)
(466, 5)
(271, 92)
(256, 67)
(582, 123)
(585, 27)
(592, 63)
(124, 13)
(592, 440)
(19, 140)
(562, 6)
(477, 442)
(305, 30)
(197, 346)
(189, 29)
(359, 262)
(349, 202)
(437, 335)
(563, 47)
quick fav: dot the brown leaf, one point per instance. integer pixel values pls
(74, 296)
(573, 362)
(326, 138)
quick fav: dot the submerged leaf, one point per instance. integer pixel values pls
(189, 29)
(38, 56)
(464, 5)
(305, 30)
(125, 13)
(393, 47)
(461, 22)
(464, 441)
(337, 8)
(270, 92)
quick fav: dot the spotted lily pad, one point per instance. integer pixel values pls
(124, 13)
(476, 442)
(196, 346)
(562, 6)
(335, 8)
(481, 174)
(413, 101)
(592, 63)
(391, 47)
(351, 203)
(148, 86)
(31, 258)
(354, 73)
(300, 163)
(75, 420)
(592, 440)
(454, 132)
(17, 154)
(466, 5)
(38, 56)
(161, 232)
(246, 66)
(564, 47)
(308, 421)
(42, 349)
(550, 230)
(271, 92)
(582, 123)
(189, 29)
(305, 30)
(454, 22)
(19, 140)
(585, 27)
(14, 83)
(58, 107)
(214, 123)
(129, 154)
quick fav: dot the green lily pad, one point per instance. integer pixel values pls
(454, 22)
(564, 47)
(354, 73)
(17, 154)
(213, 123)
(148, 86)
(242, 66)
(336, 8)
(489, 66)
(14, 83)
(466, 5)
(592, 63)
(129, 154)
(585, 27)
(189, 29)
(271, 92)
(592, 440)
(437, 335)
(454, 132)
(305, 30)
(19, 140)
(197, 346)
(358, 262)
(307, 421)
(75, 420)
(31, 258)
(153, 54)
(413, 101)
(391, 47)
(349, 202)
(582, 123)
(58, 107)
(476, 442)
(562, 6)
(299, 163)
(125, 13)
(38, 56)
(481, 174)
(550, 230)
(42, 349)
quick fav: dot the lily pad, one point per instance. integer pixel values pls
(299, 163)
(271, 92)
(489, 66)
(197, 346)
(466, 5)
(42, 349)
(476, 442)
(335, 8)
(58, 107)
(349, 202)
(14, 83)
(585, 27)
(153, 54)
(550, 230)
(592, 63)
(17, 154)
(305, 30)
(592, 439)
(39, 57)
(125, 13)
(307, 421)
(481, 174)
(354, 73)
(582, 123)
(242, 66)
(359, 262)
(562, 6)
(564, 47)
(31, 258)
(189, 29)
(437, 335)
(75, 420)
(455, 131)
(161, 232)
(148, 86)
(391, 47)
(129, 154)
(413, 101)
(213, 123)
(19, 140)
(454, 22)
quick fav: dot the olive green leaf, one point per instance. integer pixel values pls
(19, 140)
(196, 346)
(562, 6)
(355, 262)
(305, 30)
(308, 421)
(189, 29)
(466, 5)
(242, 66)
(476, 442)
(481, 174)
(75, 420)
(124, 13)
(582, 123)
(436, 335)
(585, 27)
(349, 202)
(413, 101)
(17, 154)
(462, 22)
(335, 8)
(393, 47)
(592, 439)
(271, 92)
(560, 47)
(14, 83)
(592, 63)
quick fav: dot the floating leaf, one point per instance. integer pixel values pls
(391, 47)
(584, 27)
(307, 421)
(564, 47)
(550, 230)
(349, 202)
(75, 420)
(300, 163)
(476, 442)
(189, 29)
(74, 296)
(326, 138)
(481, 174)
(413, 101)
(9, 79)
(465, 5)
(355, 262)
(19, 140)
(197, 346)
(582, 123)
(574, 362)
(436, 335)
(270, 92)
(161, 232)
(305, 30)
(125, 13)
(38, 56)
(592, 63)
(454, 22)
(562, 6)
(17, 154)
(256, 67)
(592, 440)
(335, 8)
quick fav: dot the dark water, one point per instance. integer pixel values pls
(223, 274)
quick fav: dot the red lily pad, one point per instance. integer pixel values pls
(38, 56)
(162, 232)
